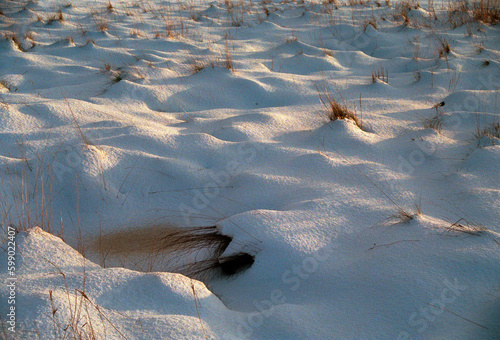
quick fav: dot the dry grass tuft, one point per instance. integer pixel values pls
(458, 13)
(102, 23)
(489, 134)
(487, 11)
(380, 74)
(444, 49)
(192, 251)
(401, 11)
(463, 226)
(103, 26)
(401, 216)
(228, 59)
(75, 315)
(197, 64)
(27, 195)
(435, 121)
(335, 110)
(110, 7)
(15, 40)
(164, 238)
(223, 266)
(22, 43)
(236, 12)
(356, 2)
(370, 22)
(135, 33)
(58, 17)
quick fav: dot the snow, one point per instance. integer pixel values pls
(388, 231)
(122, 303)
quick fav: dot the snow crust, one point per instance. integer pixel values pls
(130, 117)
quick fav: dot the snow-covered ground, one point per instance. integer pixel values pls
(128, 116)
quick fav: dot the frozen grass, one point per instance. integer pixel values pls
(335, 110)
(488, 135)
(86, 319)
(28, 195)
(170, 246)
(57, 17)
(380, 74)
(163, 239)
(486, 11)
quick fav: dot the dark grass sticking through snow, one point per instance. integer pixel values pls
(217, 267)
(380, 74)
(173, 245)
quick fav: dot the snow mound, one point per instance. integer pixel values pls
(70, 296)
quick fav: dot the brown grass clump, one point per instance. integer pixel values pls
(402, 216)
(23, 44)
(356, 3)
(370, 22)
(458, 13)
(164, 238)
(15, 40)
(110, 7)
(171, 247)
(103, 26)
(464, 226)
(380, 74)
(197, 64)
(435, 121)
(443, 48)
(135, 33)
(401, 11)
(335, 110)
(490, 133)
(487, 11)
(237, 11)
(56, 17)
(101, 22)
(228, 59)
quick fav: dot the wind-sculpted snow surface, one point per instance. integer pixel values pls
(339, 158)
(58, 289)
